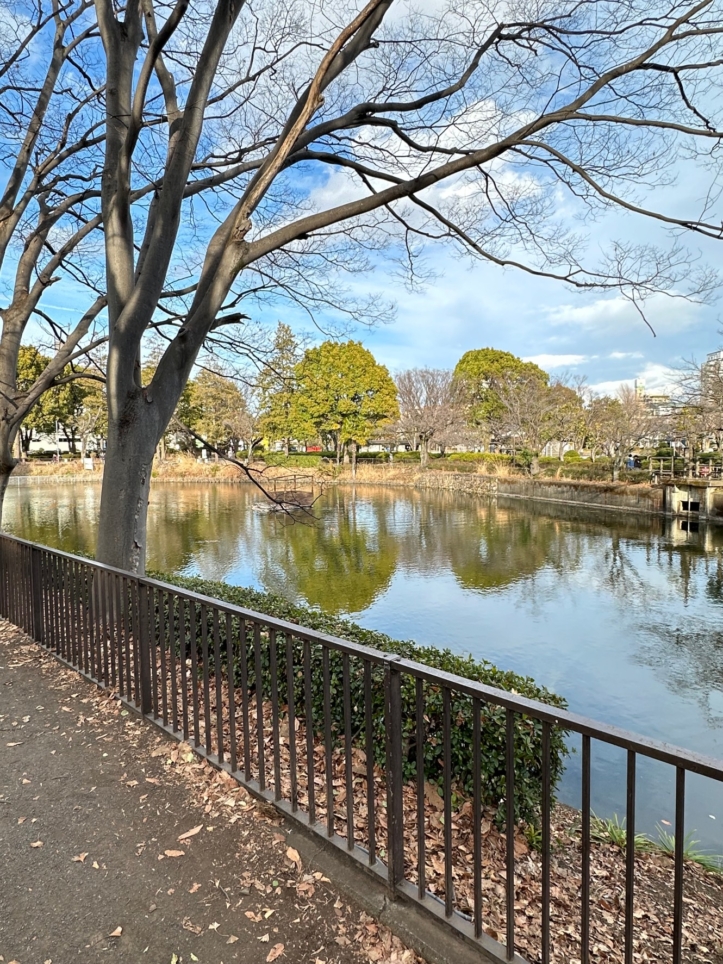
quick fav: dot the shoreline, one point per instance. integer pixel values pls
(626, 498)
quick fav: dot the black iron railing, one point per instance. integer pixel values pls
(315, 725)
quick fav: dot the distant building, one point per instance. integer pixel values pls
(657, 403)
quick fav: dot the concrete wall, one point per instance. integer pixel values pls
(457, 482)
(603, 495)
(618, 496)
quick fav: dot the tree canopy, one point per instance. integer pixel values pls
(344, 393)
(482, 370)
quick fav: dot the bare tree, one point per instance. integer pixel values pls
(501, 106)
(699, 394)
(626, 423)
(431, 408)
(527, 418)
(51, 129)
(567, 417)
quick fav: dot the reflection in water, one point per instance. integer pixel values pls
(621, 615)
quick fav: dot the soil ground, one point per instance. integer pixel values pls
(93, 802)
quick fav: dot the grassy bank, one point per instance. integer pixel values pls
(404, 470)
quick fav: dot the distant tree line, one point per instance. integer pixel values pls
(336, 395)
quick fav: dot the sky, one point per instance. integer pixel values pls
(468, 305)
(599, 336)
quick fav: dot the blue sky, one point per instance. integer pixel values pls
(476, 305)
(470, 305)
(599, 336)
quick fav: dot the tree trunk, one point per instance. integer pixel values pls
(132, 441)
(7, 461)
(250, 452)
(286, 447)
(352, 446)
(423, 452)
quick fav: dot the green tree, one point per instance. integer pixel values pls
(344, 394)
(31, 364)
(58, 408)
(481, 371)
(278, 387)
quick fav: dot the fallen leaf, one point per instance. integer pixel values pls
(19, 743)
(264, 939)
(214, 927)
(191, 833)
(253, 916)
(38, 843)
(294, 857)
(22, 819)
(117, 932)
(194, 888)
(153, 781)
(433, 796)
(193, 956)
(232, 939)
(187, 925)
(80, 858)
(276, 951)
(95, 865)
(175, 853)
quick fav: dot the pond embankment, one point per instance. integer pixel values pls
(609, 496)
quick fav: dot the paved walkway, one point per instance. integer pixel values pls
(94, 805)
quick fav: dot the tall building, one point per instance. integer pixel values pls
(657, 403)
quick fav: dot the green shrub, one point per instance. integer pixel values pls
(494, 457)
(528, 732)
(572, 456)
(294, 460)
(408, 457)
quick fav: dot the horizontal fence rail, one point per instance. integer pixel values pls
(406, 768)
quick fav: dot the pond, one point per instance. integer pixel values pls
(622, 616)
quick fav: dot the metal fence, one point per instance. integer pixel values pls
(322, 729)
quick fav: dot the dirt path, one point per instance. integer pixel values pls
(93, 802)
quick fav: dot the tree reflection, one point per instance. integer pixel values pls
(341, 561)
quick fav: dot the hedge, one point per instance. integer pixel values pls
(294, 459)
(494, 457)
(528, 732)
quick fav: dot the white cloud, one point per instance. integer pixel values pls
(556, 361)
(604, 315)
(656, 378)
(619, 355)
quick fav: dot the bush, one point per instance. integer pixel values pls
(497, 458)
(293, 460)
(528, 732)
(572, 456)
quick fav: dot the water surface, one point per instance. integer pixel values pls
(623, 616)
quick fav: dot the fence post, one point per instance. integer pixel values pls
(144, 649)
(395, 782)
(36, 586)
